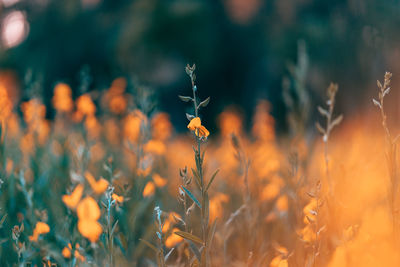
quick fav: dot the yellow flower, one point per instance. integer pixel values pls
(155, 147)
(159, 181)
(90, 229)
(62, 99)
(66, 252)
(88, 209)
(88, 213)
(200, 130)
(149, 189)
(117, 198)
(98, 186)
(40, 229)
(85, 105)
(72, 200)
(173, 239)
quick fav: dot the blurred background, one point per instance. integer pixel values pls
(244, 50)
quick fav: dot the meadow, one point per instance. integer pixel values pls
(109, 182)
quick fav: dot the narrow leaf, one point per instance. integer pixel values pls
(379, 84)
(196, 177)
(189, 117)
(386, 91)
(376, 103)
(185, 98)
(319, 128)
(3, 219)
(336, 121)
(113, 228)
(189, 236)
(323, 111)
(212, 179)
(191, 196)
(211, 233)
(168, 254)
(195, 250)
(204, 103)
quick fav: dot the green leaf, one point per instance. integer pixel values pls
(149, 245)
(192, 196)
(323, 111)
(195, 250)
(196, 177)
(3, 219)
(189, 116)
(113, 228)
(212, 179)
(204, 103)
(189, 236)
(185, 98)
(211, 233)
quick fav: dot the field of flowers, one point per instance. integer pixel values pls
(108, 182)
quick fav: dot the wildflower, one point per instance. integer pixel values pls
(132, 125)
(173, 239)
(159, 181)
(85, 105)
(200, 130)
(282, 203)
(62, 99)
(170, 221)
(149, 189)
(155, 147)
(161, 127)
(66, 252)
(88, 209)
(216, 202)
(73, 199)
(88, 213)
(40, 229)
(117, 198)
(278, 261)
(77, 254)
(90, 229)
(98, 186)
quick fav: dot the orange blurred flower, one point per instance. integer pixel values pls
(40, 229)
(72, 200)
(159, 181)
(200, 130)
(100, 186)
(78, 255)
(90, 229)
(216, 203)
(230, 122)
(66, 252)
(161, 126)
(155, 147)
(173, 239)
(278, 261)
(62, 99)
(170, 221)
(149, 189)
(117, 198)
(88, 213)
(88, 209)
(118, 104)
(282, 204)
(85, 105)
(132, 125)
(5, 103)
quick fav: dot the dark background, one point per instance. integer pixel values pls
(242, 49)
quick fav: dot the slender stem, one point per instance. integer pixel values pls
(110, 238)
(200, 172)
